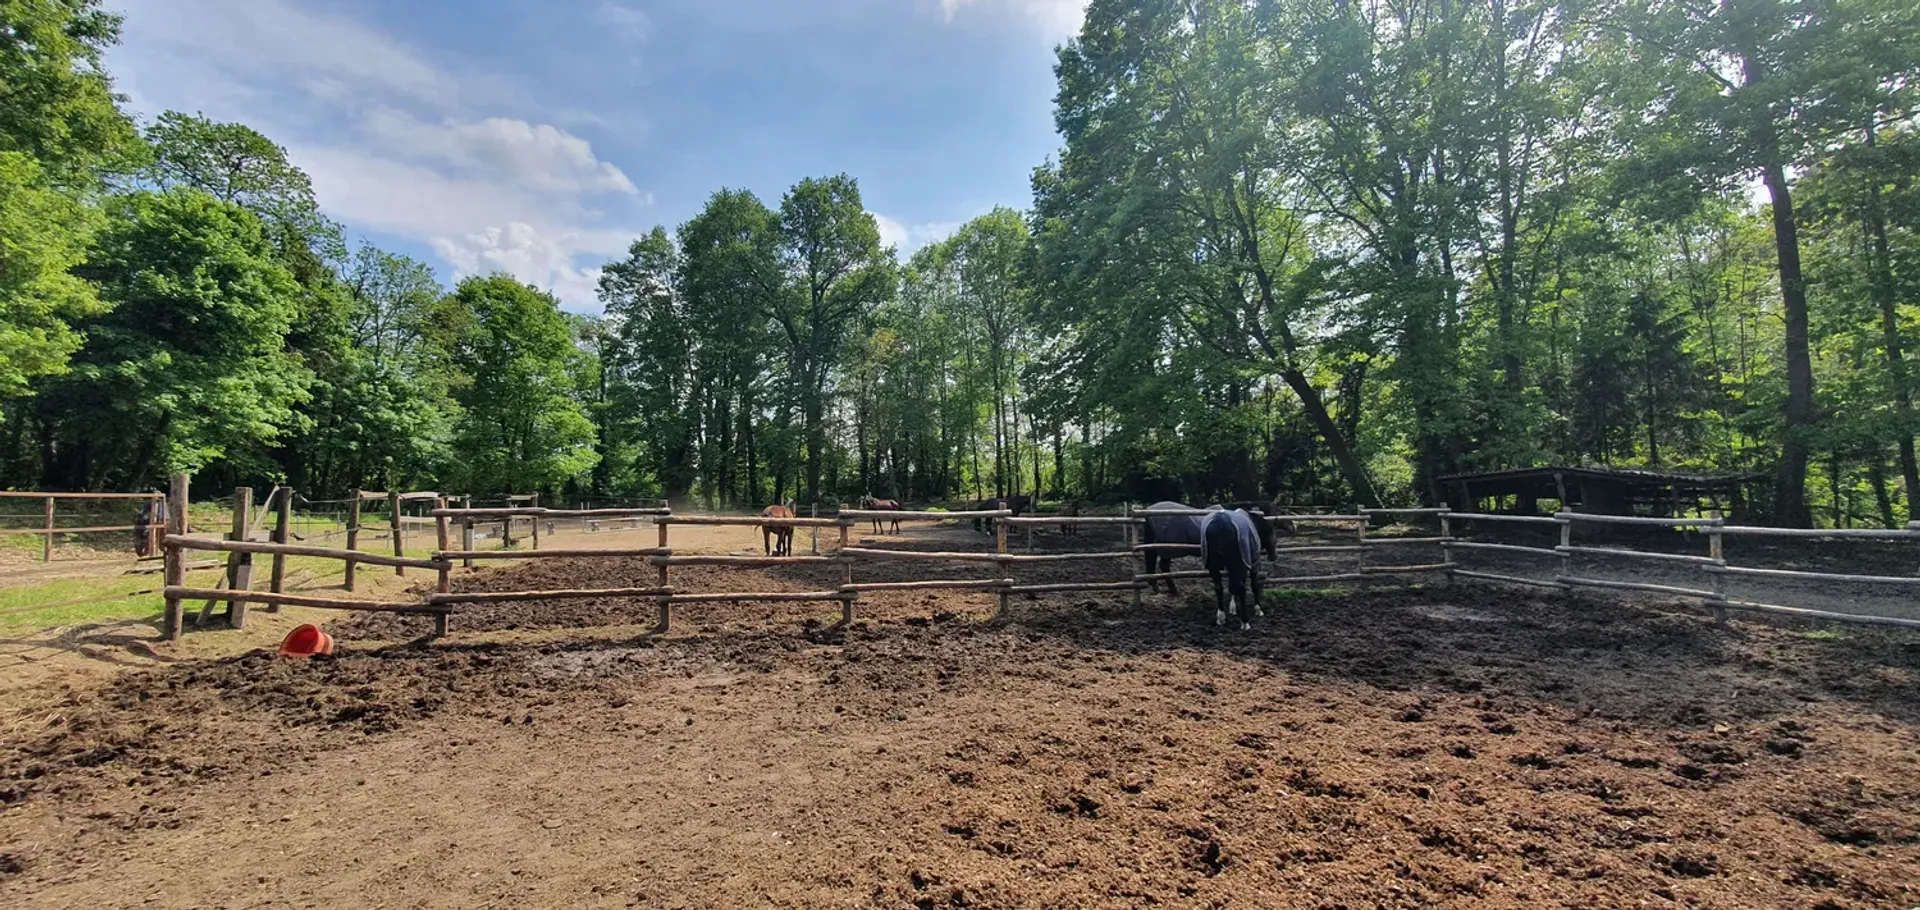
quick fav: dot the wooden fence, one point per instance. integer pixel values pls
(49, 506)
(1001, 580)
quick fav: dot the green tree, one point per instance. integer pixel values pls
(383, 411)
(1757, 88)
(649, 364)
(57, 105)
(233, 163)
(524, 427)
(836, 273)
(44, 233)
(190, 365)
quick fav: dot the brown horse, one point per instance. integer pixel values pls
(777, 540)
(887, 505)
(1070, 509)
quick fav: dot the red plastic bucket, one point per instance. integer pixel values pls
(306, 641)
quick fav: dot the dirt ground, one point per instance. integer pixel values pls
(1469, 746)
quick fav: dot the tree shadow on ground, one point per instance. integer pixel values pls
(1606, 658)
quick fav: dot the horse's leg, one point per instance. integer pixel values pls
(1219, 598)
(1166, 565)
(1237, 580)
(766, 544)
(1259, 590)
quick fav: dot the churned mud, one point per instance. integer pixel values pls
(1437, 747)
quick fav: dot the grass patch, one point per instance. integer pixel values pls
(1825, 635)
(114, 598)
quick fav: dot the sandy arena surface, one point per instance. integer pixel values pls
(1465, 746)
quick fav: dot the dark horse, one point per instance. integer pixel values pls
(777, 539)
(1018, 505)
(1189, 530)
(885, 505)
(1231, 541)
(1167, 529)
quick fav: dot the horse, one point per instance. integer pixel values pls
(777, 539)
(1231, 541)
(1272, 512)
(1167, 529)
(1018, 505)
(1069, 509)
(885, 505)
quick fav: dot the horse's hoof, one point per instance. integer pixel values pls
(1219, 617)
(1244, 626)
(1259, 612)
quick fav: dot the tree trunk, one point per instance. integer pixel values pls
(816, 434)
(1790, 482)
(1343, 454)
(1880, 285)
(1877, 475)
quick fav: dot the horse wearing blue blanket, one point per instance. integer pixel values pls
(1231, 542)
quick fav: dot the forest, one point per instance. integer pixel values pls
(1313, 250)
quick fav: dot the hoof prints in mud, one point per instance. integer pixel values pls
(1351, 750)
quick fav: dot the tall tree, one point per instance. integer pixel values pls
(190, 365)
(524, 428)
(57, 104)
(836, 273)
(1756, 88)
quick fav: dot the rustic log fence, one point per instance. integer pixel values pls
(1000, 578)
(50, 529)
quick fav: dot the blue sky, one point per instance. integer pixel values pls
(539, 138)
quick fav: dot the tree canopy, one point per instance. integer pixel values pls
(1327, 254)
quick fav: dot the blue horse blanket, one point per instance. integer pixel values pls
(1229, 533)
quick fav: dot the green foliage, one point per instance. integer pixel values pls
(524, 427)
(1323, 253)
(190, 363)
(57, 105)
(44, 233)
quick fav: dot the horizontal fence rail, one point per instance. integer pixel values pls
(662, 558)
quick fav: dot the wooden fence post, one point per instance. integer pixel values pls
(1717, 552)
(443, 535)
(535, 521)
(1446, 541)
(846, 564)
(1128, 531)
(1361, 554)
(46, 540)
(1000, 547)
(240, 565)
(666, 604)
(174, 619)
(399, 535)
(466, 534)
(282, 521)
(1566, 541)
(813, 511)
(353, 532)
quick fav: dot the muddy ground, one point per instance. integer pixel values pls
(1432, 747)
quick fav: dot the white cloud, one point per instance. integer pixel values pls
(630, 24)
(910, 237)
(237, 34)
(541, 155)
(454, 159)
(1056, 19)
(522, 250)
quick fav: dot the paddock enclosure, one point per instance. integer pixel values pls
(1463, 745)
